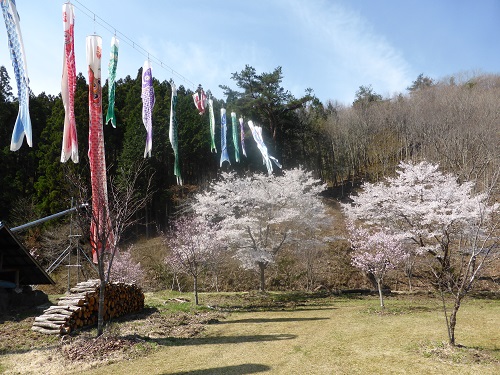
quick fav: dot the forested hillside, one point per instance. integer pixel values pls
(454, 122)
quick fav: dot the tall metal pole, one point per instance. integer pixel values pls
(44, 219)
(70, 244)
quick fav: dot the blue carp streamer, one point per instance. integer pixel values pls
(22, 126)
(223, 130)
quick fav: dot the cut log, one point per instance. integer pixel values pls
(47, 325)
(45, 330)
(54, 317)
(65, 307)
(60, 311)
(78, 301)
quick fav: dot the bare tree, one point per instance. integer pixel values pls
(125, 201)
(452, 122)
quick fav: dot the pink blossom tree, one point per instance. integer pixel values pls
(193, 243)
(125, 269)
(259, 214)
(445, 220)
(376, 253)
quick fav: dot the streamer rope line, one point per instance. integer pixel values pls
(114, 31)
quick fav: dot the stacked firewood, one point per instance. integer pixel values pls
(79, 308)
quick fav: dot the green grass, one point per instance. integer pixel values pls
(315, 334)
(162, 301)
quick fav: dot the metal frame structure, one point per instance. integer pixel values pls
(67, 252)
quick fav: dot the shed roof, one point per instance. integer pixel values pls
(14, 256)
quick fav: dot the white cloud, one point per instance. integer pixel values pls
(210, 64)
(319, 44)
(353, 53)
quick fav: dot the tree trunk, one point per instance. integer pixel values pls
(410, 286)
(380, 294)
(195, 290)
(262, 268)
(147, 220)
(408, 270)
(100, 311)
(453, 320)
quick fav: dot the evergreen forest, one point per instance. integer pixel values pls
(453, 121)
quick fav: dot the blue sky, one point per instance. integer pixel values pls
(331, 46)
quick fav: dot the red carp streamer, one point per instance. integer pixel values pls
(68, 86)
(101, 231)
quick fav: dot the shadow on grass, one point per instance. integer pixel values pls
(269, 301)
(275, 306)
(270, 320)
(138, 315)
(248, 368)
(402, 310)
(41, 349)
(108, 324)
(17, 315)
(172, 341)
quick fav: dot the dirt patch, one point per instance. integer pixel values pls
(25, 351)
(17, 336)
(458, 354)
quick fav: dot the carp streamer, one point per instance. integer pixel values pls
(172, 133)
(22, 126)
(101, 231)
(113, 62)
(68, 86)
(148, 102)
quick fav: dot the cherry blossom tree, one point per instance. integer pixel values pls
(445, 220)
(194, 245)
(259, 214)
(125, 269)
(376, 253)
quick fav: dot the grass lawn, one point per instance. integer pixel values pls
(335, 336)
(285, 334)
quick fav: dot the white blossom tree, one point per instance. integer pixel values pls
(376, 253)
(193, 243)
(258, 214)
(443, 218)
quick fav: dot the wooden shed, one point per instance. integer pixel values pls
(17, 266)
